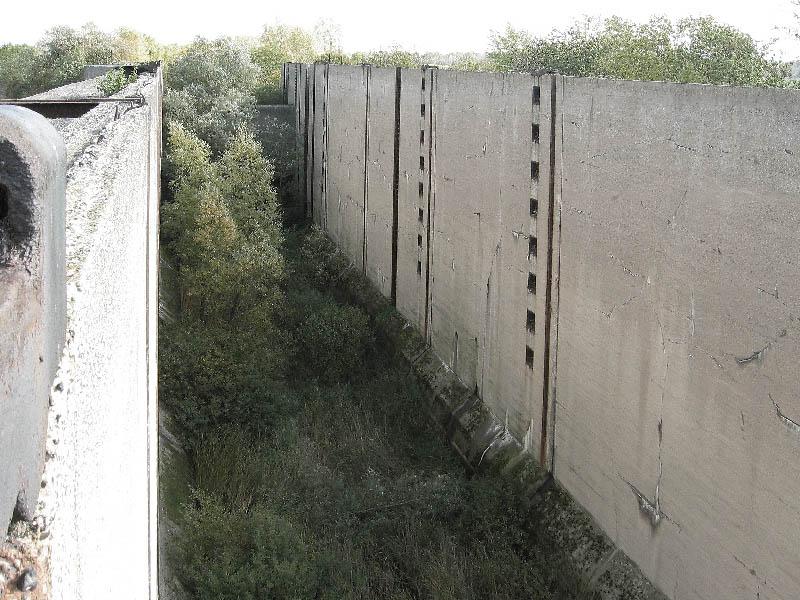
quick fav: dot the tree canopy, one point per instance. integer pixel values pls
(700, 50)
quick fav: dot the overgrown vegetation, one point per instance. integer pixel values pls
(699, 50)
(62, 53)
(116, 80)
(315, 470)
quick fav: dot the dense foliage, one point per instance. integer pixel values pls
(62, 53)
(210, 89)
(698, 50)
(115, 81)
(277, 45)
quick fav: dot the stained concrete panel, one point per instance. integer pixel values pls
(319, 139)
(380, 178)
(99, 504)
(291, 82)
(479, 295)
(32, 298)
(413, 195)
(309, 141)
(678, 330)
(346, 127)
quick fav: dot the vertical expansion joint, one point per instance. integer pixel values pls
(367, 80)
(429, 95)
(549, 284)
(396, 182)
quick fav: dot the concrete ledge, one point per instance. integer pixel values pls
(32, 299)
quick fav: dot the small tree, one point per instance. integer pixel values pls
(210, 89)
(277, 45)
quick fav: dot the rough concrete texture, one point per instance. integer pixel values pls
(90, 88)
(663, 313)
(413, 197)
(32, 299)
(482, 314)
(98, 509)
(677, 390)
(345, 164)
(318, 153)
(379, 200)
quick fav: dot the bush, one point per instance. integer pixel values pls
(223, 230)
(115, 81)
(211, 377)
(334, 339)
(254, 554)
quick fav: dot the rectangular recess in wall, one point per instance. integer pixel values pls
(534, 170)
(531, 283)
(419, 240)
(530, 321)
(421, 163)
(421, 214)
(537, 94)
(532, 246)
(534, 207)
(419, 267)
(421, 193)
(529, 356)
(535, 133)
(421, 137)
(422, 110)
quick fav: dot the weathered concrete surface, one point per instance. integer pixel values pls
(318, 152)
(658, 305)
(413, 196)
(482, 315)
(308, 138)
(345, 164)
(678, 332)
(32, 299)
(380, 177)
(99, 504)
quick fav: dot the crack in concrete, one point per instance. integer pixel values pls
(793, 426)
(614, 307)
(671, 220)
(758, 355)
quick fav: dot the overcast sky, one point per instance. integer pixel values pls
(414, 24)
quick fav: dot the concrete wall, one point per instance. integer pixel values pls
(32, 299)
(612, 266)
(678, 338)
(98, 504)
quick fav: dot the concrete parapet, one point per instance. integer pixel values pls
(32, 298)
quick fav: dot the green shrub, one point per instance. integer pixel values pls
(333, 340)
(254, 554)
(115, 81)
(211, 376)
(222, 227)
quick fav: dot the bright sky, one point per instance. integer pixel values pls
(436, 25)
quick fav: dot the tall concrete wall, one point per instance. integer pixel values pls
(612, 267)
(97, 511)
(678, 333)
(345, 163)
